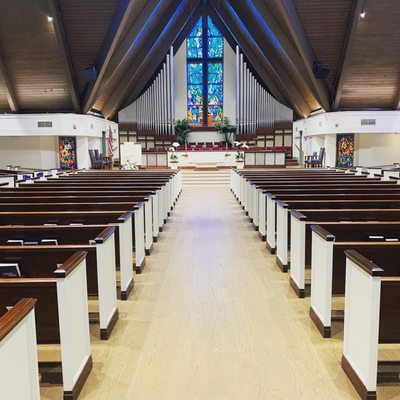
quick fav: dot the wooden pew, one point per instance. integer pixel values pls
(61, 308)
(19, 378)
(300, 234)
(328, 268)
(138, 234)
(77, 235)
(283, 221)
(372, 313)
(38, 261)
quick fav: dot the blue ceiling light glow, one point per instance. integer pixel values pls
(264, 26)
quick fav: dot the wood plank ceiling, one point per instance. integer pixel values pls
(43, 63)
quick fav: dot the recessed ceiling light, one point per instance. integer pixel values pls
(363, 14)
(50, 19)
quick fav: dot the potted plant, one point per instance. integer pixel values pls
(227, 130)
(173, 158)
(182, 130)
(239, 156)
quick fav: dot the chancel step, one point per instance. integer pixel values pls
(206, 178)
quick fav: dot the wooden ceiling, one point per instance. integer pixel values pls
(42, 63)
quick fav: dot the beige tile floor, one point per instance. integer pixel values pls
(213, 318)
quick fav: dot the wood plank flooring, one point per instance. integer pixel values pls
(212, 318)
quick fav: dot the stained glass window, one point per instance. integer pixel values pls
(205, 51)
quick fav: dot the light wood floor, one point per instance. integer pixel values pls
(212, 318)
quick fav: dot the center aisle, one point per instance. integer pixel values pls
(212, 317)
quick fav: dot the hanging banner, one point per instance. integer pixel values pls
(67, 152)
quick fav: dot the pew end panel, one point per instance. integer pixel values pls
(282, 235)
(361, 323)
(139, 238)
(297, 253)
(74, 317)
(148, 221)
(125, 251)
(155, 205)
(106, 280)
(262, 208)
(19, 378)
(321, 278)
(271, 224)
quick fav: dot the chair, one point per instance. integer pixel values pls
(95, 163)
(315, 161)
(106, 162)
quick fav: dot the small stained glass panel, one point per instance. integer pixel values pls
(195, 73)
(215, 47)
(215, 73)
(194, 47)
(197, 29)
(214, 115)
(212, 29)
(195, 95)
(215, 94)
(195, 115)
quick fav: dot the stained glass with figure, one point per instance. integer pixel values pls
(204, 51)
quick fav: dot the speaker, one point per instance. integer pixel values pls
(321, 71)
(91, 73)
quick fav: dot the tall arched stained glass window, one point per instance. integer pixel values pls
(205, 52)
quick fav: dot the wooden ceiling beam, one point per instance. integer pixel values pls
(54, 12)
(357, 9)
(120, 21)
(304, 49)
(257, 61)
(10, 94)
(151, 54)
(279, 76)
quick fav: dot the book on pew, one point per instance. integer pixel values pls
(391, 239)
(76, 224)
(50, 224)
(49, 242)
(31, 243)
(376, 238)
(9, 270)
(15, 242)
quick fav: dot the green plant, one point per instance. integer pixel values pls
(173, 157)
(182, 130)
(227, 130)
(239, 156)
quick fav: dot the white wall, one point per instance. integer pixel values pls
(377, 149)
(33, 151)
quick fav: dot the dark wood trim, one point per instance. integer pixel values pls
(279, 263)
(269, 248)
(324, 330)
(150, 250)
(155, 238)
(54, 10)
(356, 381)
(69, 266)
(74, 393)
(105, 333)
(9, 89)
(262, 237)
(290, 15)
(127, 126)
(13, 317)
(367, 265)
(120, 20)
(126, 293)
(139, 268)
(358, 7)
(125, 217)
(298, 215)
(319, 230)
(282, 203)
(301, 293)
(106, 234)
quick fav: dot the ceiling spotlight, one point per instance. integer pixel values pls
(50, 19)
(363, 14)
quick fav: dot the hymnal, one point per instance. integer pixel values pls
(49, 241)
(15, 242)
(9, 270)
(31, 243)
(391, 240)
